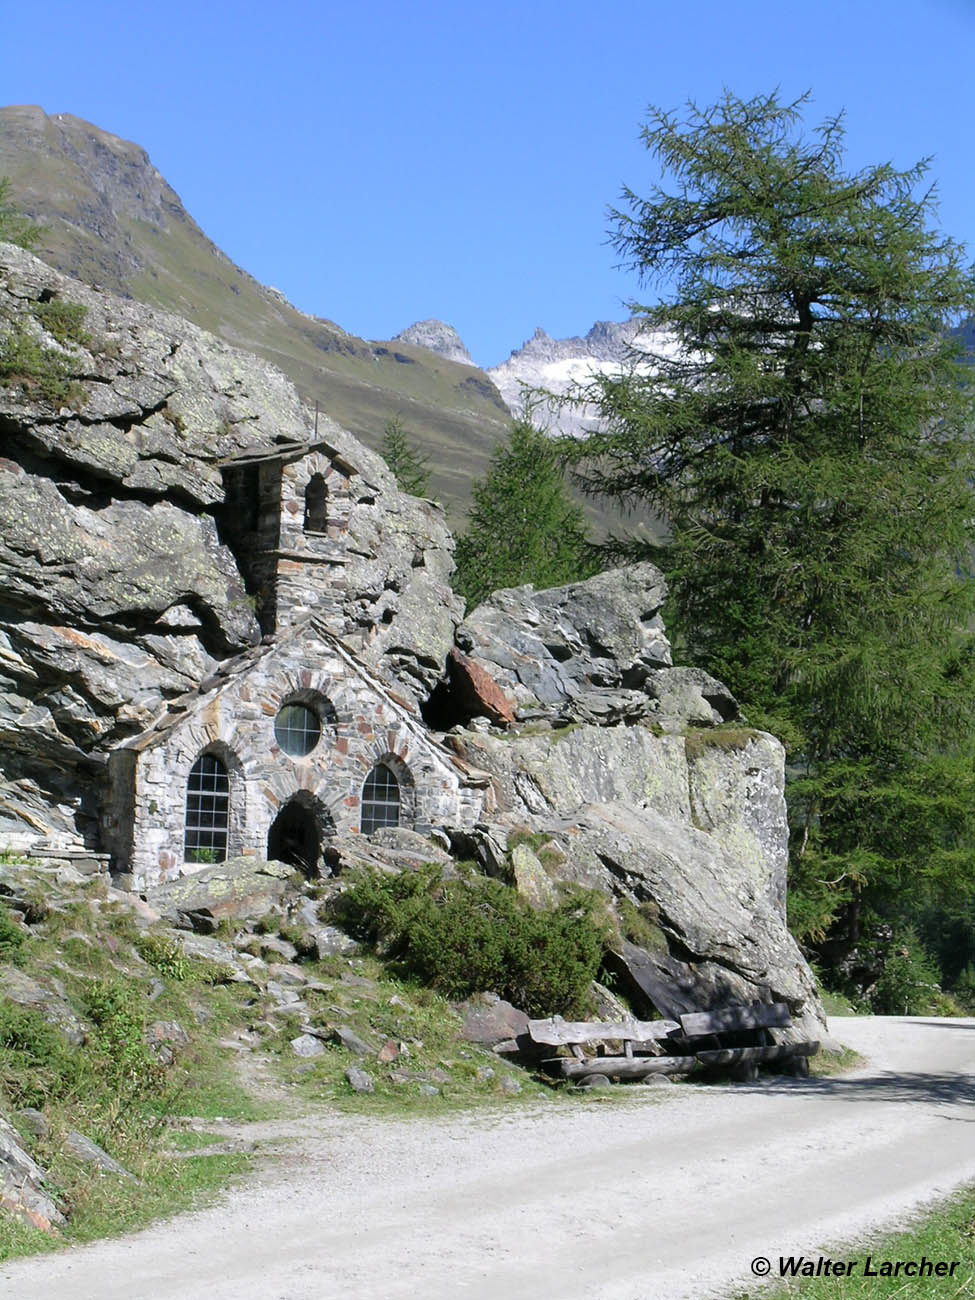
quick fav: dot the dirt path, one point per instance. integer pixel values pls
(654, 1193)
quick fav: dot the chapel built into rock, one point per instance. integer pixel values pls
(295, 740)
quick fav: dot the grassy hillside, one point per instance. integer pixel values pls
(111, 219)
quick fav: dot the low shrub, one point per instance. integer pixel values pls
(64, 320)
(165, 954)
(43, 370)
(461, 936)
(37, 1065)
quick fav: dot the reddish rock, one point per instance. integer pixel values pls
(488, 1019)
(476, 690)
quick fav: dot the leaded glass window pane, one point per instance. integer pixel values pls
(380, 800)
(207, 810)
(297, 729)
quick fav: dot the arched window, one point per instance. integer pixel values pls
(316, 502)
(380, 800)
(207, 811)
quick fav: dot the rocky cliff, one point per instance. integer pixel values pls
(121, 592)
(117, 589)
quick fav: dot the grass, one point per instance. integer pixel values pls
(724, 736)
(388, 1010)
(112, 1088)
(945, 1233)
(104, 1206)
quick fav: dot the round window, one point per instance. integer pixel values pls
(297, 729)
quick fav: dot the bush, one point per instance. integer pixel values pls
(43, 370)
(64, 320)
(464, 936)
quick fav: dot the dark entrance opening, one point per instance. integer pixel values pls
(294, 838)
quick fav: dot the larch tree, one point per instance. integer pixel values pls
(523, 525)
(797, 415)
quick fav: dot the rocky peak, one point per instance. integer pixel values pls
(436, 336)
(559, 365)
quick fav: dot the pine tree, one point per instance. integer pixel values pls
(806, 437)
(522, 527)
(409, 465)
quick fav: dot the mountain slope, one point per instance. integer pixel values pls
(111, 219)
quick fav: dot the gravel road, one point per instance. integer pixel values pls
(652, 1192)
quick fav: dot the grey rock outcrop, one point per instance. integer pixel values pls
(593, 651)
(119, 590)
(90, 1153)
(437, 337)
(22, 1190)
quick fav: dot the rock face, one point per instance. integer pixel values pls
(120, 589)
(640, 782)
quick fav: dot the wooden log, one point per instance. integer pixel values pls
(622, 1067)
(738, 1055)
(760, 1015)
(557, 1032)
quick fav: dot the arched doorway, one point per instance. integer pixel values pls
(295, 838)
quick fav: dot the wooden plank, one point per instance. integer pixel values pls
(737, 1055)
(760, 1015)
(623, 1067)
(557, 1032)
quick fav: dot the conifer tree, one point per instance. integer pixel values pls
(409, 465)
(806, 434)
(523, 527)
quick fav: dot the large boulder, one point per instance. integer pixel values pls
(241, 889)
(693, 826)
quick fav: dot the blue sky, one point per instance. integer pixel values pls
(384, 162)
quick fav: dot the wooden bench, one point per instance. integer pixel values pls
(745, 1022)
(733, 1039)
